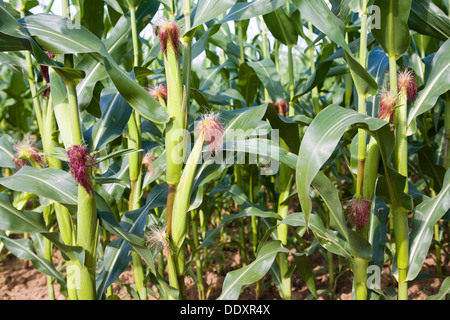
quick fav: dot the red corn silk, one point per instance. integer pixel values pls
(79, 162)
(407, 81)
(387, 106)
(281, 106)
(168, 31)
(45, 74)
(359, 212)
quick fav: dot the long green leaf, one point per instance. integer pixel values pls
(425, 216)
(438, 83)
(117, 45)
(236, 280)
(281, 27)
(428, 19)
(115, 115)
(54, 184)
(6, 151)
(211, 235)
(393, 35)
(23, 249)
(117, 253)
(319, 143)
(267, 73)
(53, 34)
(15, 220)
(443, 291)
(323, 19)
(247, 10)
(209, 9)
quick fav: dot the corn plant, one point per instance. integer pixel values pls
(161, 135)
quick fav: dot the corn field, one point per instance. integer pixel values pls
(247, 140)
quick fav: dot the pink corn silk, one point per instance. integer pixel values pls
(79, 162)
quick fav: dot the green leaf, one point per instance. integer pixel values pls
(365, 84)
(23, 249)
(443, 291)
(115, 115)
(118, 44)
(15, 220)
(377, 65)
(281, 27)
(73, 253)
(305, 269)
(53, 34)
(323, 19)
(358, 5)
(117, 253)
(249, 211)
(286, 128)
(319, 142)
(428, 19)
(54, 184)
(316, 78)
(360, 247)
(425, 216)
(246, 10)
(393, 36)
(116, 153)
(7, 151)
(90, 15)
(377, 234)
(331, 240)
(267, 73)
(438, 83)
(428, 167)
(16, 63)
(236, 280)
(209, 9)
(248, 83)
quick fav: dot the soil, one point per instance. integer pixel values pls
(20, 281)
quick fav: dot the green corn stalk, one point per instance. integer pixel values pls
(198, 261)
(87, 222)
(175, 131)
(47, 126)
(181, 205)
(360, 266)
(187, 53)
(285, 181)
(291, 71)
(446, 162)
(178, 113)
(135, 164)
(400, 160)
